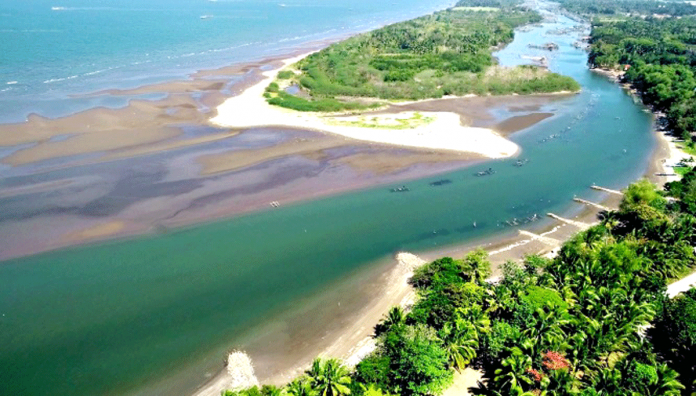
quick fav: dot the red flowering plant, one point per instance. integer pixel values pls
(536, 375)
(555, 361)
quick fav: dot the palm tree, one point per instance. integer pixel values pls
(329, 377)
(300, 386)
(460, 340)
(394, 319)
(667, 384)
(512, 374)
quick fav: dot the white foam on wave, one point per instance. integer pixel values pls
(11, 82)
(92, 73)
(100, 9)
(54, 80)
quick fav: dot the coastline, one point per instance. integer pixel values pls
(661, 169)
(353, 342)
(446, 132)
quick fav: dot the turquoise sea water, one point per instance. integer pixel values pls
(116, 317)
(52, 49)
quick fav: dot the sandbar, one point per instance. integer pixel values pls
(444, 132)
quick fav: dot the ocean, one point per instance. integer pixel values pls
(54, 54)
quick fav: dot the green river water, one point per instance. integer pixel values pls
(109, 318)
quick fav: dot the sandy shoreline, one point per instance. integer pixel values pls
(668, 154)
(354, 343)
(446, 132)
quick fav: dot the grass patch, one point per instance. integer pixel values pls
(386, 122)
(688, 148)
(681, 170)
(328, 105)
(286, 74)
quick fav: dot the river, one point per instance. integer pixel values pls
(116, 317)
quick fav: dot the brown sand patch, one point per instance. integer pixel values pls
(88, 143)
(96, 130)
(234, 160)
(385, 162)
(140, 115)
(167, 145)
(518, 123)
(98, 231)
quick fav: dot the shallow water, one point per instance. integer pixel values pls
(52, 49)
(117, 316)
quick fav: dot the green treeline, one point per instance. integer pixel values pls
(594, 320)
(628, 7)
(662, 61)
(447, 53)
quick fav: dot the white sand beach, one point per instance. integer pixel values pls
(673, 156)
(443, 131)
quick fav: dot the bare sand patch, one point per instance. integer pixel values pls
(98, 130)
(463, 380)
(387, 162)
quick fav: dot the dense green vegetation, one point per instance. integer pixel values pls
(594, 320)
(661, 59)
(628, 7)
(447, 53)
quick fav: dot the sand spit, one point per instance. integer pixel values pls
(444, 132)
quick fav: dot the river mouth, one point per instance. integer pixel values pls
(125, 314)
(172, 170)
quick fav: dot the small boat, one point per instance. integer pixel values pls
(441, 182)
(486, 172)
(206, 16)
(519, 163)
(400, 189)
